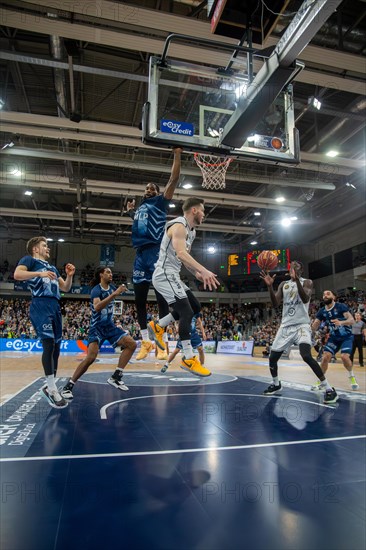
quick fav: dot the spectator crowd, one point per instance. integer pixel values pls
(224, 322)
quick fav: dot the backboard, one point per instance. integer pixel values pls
(189, 106)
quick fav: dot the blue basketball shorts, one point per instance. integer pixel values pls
(109, 332)
(196, 341)
(45, 315)
(335, 344)
(144, 264)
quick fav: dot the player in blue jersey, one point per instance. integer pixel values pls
(102, 328)
(339, 320)
(45, 284)
(196, 342)
(147, 232)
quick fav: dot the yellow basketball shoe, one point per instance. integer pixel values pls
(162, 355)
(194, 366)
(156, 333)
(145, 349)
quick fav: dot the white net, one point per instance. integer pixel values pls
(213, 170)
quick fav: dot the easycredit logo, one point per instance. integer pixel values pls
(30, 345)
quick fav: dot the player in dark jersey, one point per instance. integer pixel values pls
(147, 231)
(339, 320)
(103, 328)
(196, 342)
(45, 284)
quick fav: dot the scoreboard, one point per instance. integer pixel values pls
(246, 264)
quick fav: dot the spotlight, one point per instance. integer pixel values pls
(257, 213)
(253, 243)
(211, 249)
(28, 193)
(285, 222)
(49, 239)
(332, 153)
(280, 199)
(187, 186)
(15, 172)
(61, 240)
(314, 102)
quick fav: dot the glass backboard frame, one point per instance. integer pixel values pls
(174, 75)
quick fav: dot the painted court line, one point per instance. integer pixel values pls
(103, 410)
(181, 451)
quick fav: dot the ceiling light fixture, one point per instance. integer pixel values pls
(187, 186)
(280, 199)
(28, 193)
(332, 153)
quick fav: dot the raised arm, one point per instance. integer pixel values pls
(65, 285)
(304, 290)
(177, 233)
(101, 304)
(174, 176)
(276, 297)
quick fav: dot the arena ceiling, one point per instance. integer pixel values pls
(81, 174)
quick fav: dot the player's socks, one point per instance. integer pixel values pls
(187, 349)
(275, 380)
(51, 385)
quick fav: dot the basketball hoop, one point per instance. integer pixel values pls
(213, 170)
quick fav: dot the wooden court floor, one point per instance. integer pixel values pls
(17, 369)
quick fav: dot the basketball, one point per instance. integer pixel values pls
(267, 260)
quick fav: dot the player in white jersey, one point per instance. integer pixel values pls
(175, 249)
(295, 326)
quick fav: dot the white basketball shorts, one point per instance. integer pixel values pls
(169, 285)
(291, 335)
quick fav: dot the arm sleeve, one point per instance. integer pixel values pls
(95, 293)
(319, 315)
(27, 261)
(131, 213)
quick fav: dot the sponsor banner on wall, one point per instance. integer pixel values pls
(209, 346)
(243, 347)
(70, 346)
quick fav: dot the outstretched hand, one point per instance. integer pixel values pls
(266, 277)
(294, 274)
(208, 279)
(130, 205)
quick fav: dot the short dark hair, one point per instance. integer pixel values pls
(34, 241)
(191, 202)
(332, 291)
(155, 185)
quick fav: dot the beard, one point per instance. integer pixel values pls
(328, 301)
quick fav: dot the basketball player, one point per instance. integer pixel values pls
(295, 326)
(174, 251)
(103, 328)
(45, 284)
(147, 231)
(339, 321)
(196, 342)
